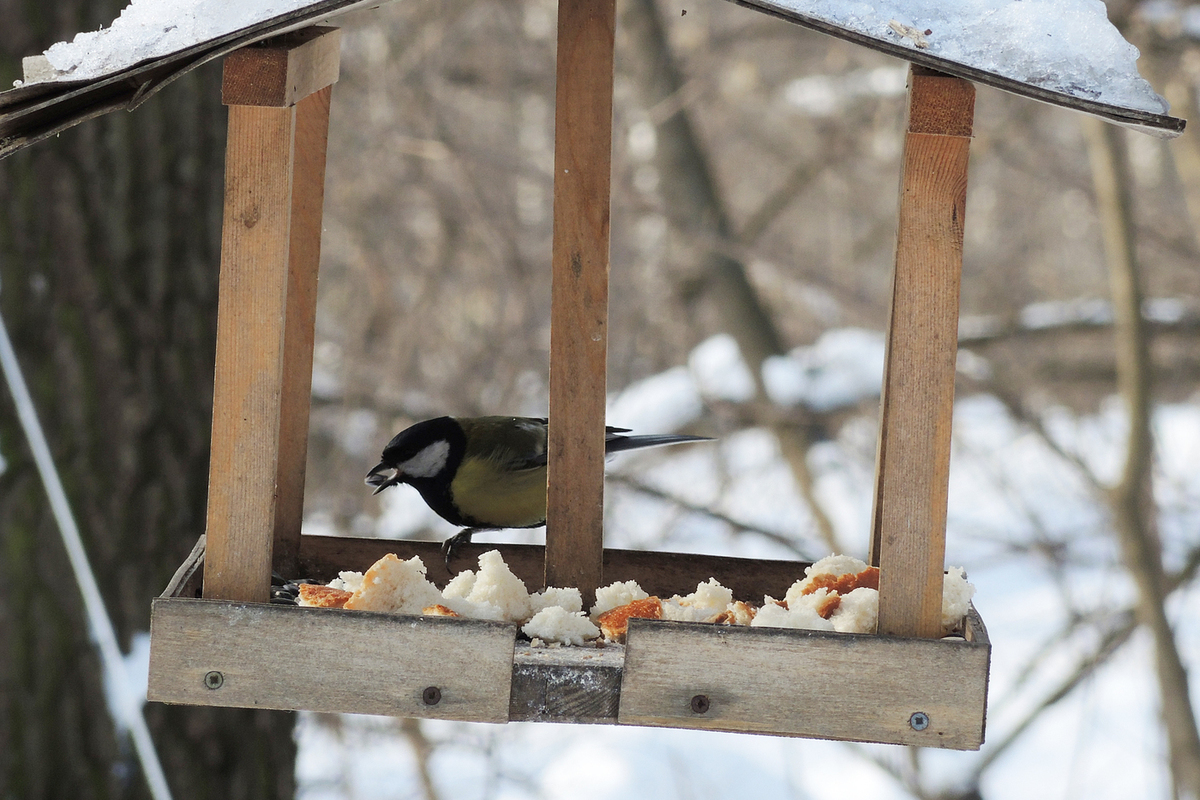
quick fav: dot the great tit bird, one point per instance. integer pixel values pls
(484, 473)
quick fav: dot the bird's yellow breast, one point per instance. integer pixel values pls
(492, 497)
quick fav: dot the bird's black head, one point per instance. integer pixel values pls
(428, 452)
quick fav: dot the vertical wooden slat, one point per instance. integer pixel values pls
(579, 293)
(913, 463)
(251, 313)
(278, 96)
(308, 194)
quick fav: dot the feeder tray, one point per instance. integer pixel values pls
(215, 640)
(925, 692)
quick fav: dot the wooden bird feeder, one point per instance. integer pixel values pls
(215, 639)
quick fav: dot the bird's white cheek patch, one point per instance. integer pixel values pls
(428, 462)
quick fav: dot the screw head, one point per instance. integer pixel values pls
(919, 721)
(214, 679)
(701, 704)
(431, 696)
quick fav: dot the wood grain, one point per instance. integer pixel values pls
(354, 662)
(566, 684)
(270, 249)
(913, 461)
(805, 683)
(304, 255)
(250, 333)
(795, 683)
(663, 574)
(281, 72)
(579, 294)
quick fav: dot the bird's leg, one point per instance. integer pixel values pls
(450, 546)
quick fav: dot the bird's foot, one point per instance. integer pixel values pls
(451, 546)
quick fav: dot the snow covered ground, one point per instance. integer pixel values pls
(1008, 488)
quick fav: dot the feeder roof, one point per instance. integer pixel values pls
(1063, 52)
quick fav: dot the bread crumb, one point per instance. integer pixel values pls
(439, 610)
(821, 572)
(957, 592)
(776, 616)
(709, 601)
(616, 594)
(568, 598)
(395, 586)
(493, 585)
(858, 611)
(828, 604)
(556, 625)
(460, 585)
(347, 581)
(615, 622)
(315, 596)
(739, 612)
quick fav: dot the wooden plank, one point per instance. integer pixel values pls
(252, 310)
(283, 657)
(304, 255)
(913, 462)
(566, 684)
(805, 683)
(579, 294)
(281, 72)
(664, 574)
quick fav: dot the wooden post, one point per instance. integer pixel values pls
(278, 98)
(908, 540)
(579, 294)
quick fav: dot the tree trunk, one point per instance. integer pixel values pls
(1132, 499)
(109, 248)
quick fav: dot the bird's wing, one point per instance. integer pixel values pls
(518, 443)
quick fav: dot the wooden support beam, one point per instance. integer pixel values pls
(274, 186)
(281, 72)
(579, 294)
(304, 256)
(908, 540)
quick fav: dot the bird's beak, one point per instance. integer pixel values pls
(379, 481)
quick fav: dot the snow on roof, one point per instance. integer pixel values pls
(153, 28)
(1063, 52)
(1066, 46)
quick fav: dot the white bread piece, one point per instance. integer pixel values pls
(709, 601)
(556, 624)
(616, 594)
(395, 586)
(347, 581)
(494, 584)
(776, 616)
(858, 611)
(957, 592)
(830, 565)
(569, 599)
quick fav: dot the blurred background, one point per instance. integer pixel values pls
(755, 178)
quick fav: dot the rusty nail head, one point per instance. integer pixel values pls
(919, 721)
(432, 695)
(700, 704)
(214, 679)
